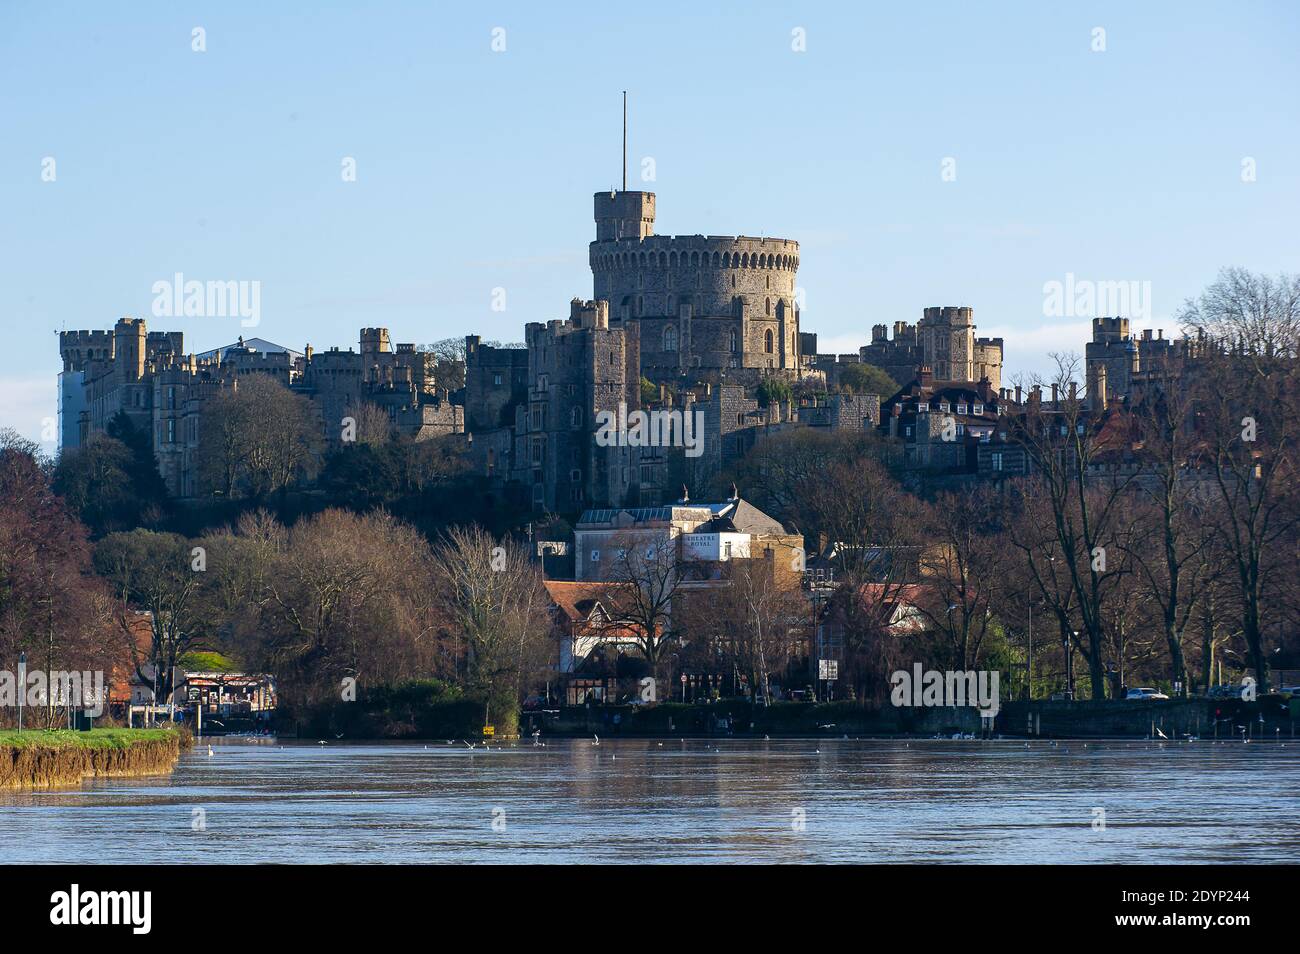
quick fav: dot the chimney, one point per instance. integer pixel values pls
(926, 376)
(1019, 394)
(1073, 392)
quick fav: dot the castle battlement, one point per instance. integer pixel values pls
(716, 303)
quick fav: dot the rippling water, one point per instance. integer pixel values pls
(718, 800)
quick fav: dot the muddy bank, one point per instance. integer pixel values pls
(62, 759)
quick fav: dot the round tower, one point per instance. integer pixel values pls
(706, 302)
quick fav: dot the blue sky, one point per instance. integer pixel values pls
(475, 168)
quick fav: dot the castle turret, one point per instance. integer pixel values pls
(375, 341)
(713, 303)
(129, 336)
(624, 215)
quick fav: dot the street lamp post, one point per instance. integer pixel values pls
(1029, 656)
(1069, 664)
(22, 687)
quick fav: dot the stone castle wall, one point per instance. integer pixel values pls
(708, 302)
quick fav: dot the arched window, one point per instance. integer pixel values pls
(670, 338)
(767, 306)
(767, 341)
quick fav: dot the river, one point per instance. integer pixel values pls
(693, 800)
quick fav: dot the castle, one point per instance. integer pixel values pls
(706, 307)
(147, 376)
(1118, 365)
(944, 341)
(690, 325)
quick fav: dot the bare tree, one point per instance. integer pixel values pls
(648, 575)
(1248, 416)
(1080, 475)
(258, 438)
(51, 604)
(873, 534)
(757, 616)
(1251, 314)
(964, 568)
(491, 594)
(155, 572)
(1170, 551)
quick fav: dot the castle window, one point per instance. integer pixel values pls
(496, 379)
(575, 417)
(740, 419)
(670, 304)
(733, 341)
(997, 460)
(640, 305)
(767, 342)
(767, 306)
(670, 338)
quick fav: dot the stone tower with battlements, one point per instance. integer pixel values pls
(944, 341)
(702, 303)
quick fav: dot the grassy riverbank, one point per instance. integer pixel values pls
(60, 758)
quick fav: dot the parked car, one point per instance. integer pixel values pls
(1145, 693)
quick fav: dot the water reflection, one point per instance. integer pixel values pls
(693, 800)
